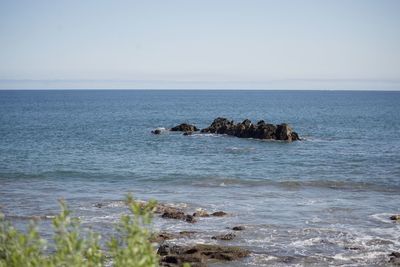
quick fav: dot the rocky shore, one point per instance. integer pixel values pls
(177, 248)
(245, 129)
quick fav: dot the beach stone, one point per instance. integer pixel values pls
(246, 129)
(224, 237)
(219, 214)
(395, 217)
(184, 127)
(238, 228)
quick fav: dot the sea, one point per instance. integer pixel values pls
(323, 201)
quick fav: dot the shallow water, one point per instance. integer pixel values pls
(325, 200)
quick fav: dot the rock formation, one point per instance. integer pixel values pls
(247, 129)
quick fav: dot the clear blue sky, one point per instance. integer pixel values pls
(330, 44)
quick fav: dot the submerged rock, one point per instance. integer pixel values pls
(198, 255)
(179, 215)
(156, 131)
(201, 213)
(246, 129)
(224, 237)
(184, 127)
(219, 214)
(238, 228)
(163, 236)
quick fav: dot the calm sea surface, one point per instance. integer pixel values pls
(325, 200)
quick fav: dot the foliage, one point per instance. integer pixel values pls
(74, 247)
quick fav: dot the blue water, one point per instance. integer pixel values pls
(324, 200)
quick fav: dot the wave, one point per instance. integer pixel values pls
(292, 184)
(29, 217)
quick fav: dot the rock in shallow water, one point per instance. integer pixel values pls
(224, 237)
(246, 129)
(395, 217)
(198, 255)
(184, 127)
(219, 214)
(395, 258)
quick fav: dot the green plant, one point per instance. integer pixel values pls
(75, 247)
(133, 247)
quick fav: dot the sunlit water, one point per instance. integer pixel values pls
(325, 200)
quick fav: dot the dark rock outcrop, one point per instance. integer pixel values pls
(224, 237)
(394, 258)
(395, 217)
(156, 131)
(184, 127)
(219, 214)
(178, 215)
(238, 228)
(198, 255)
(247, 129)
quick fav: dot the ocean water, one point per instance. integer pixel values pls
(325, 200)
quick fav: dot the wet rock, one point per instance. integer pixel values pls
(190, 219)
(198, 255)
(156, 131)
(160, 237)
(187, 133)
(219, 214)
(163, 236)
(395, 217)
(352, 248)
(224, 237)
(184, 127)
(201, 213)
(98, 205)
(178, 215)
(238, 228)
(246, 129)
(394, 258)
(187, 233)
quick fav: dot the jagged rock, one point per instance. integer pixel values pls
(219, 214)
(224, 237)
(246, 129)
(184, 127)
(238, 228)
(395, 217)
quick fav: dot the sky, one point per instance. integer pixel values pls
(207, 44)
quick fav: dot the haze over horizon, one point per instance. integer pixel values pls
(334, 45)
